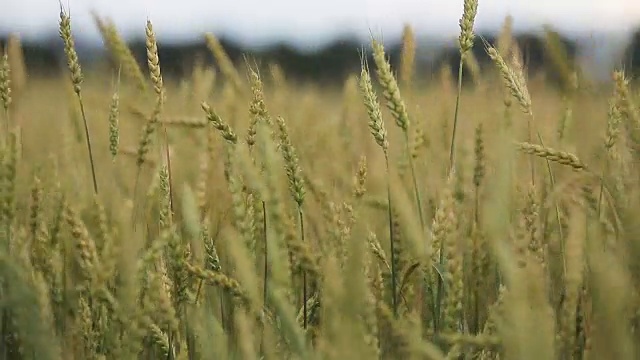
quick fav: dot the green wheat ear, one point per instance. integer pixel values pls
(465, 45)
(77, 78)
(5, 91)
(114, 114)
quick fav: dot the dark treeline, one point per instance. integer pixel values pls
(537, 55)
(632, 55)
(329, 65)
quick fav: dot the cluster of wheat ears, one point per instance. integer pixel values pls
(468, 230)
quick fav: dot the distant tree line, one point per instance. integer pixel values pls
(539, 53)
(329, 65)
(632, 55)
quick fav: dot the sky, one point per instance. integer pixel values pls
(256, 22)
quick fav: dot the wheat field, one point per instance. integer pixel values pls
(236, 215)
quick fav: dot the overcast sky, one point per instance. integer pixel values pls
(259, 21)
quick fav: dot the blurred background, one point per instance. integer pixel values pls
(321, 40)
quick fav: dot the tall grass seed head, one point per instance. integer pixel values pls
(466, 38)
(5, 81)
